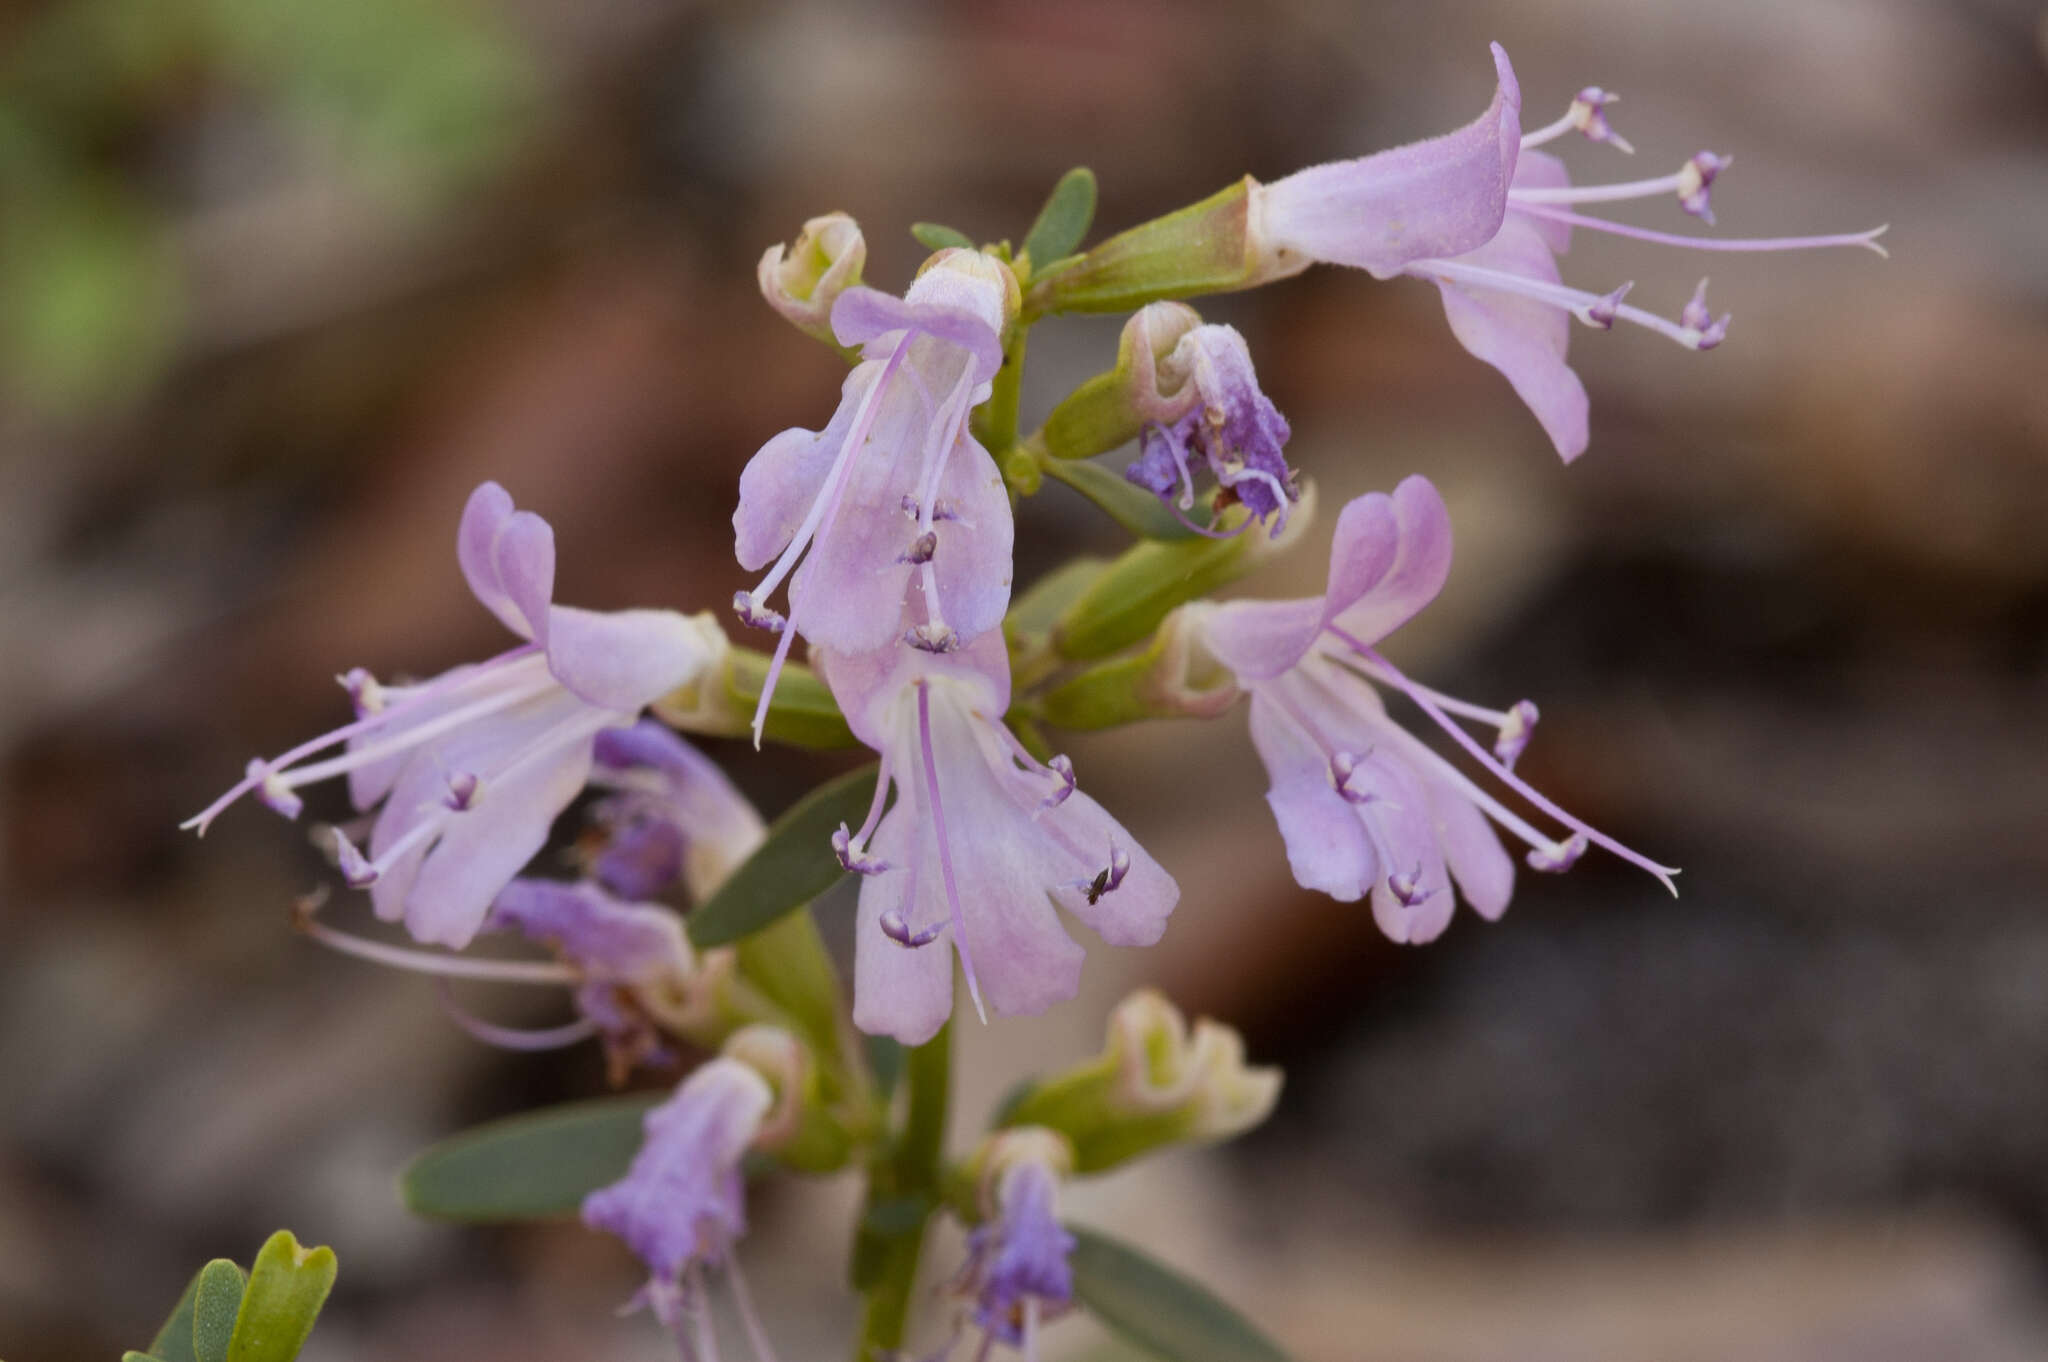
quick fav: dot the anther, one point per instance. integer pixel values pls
(1589, 115)
(756, 616)
(1063, 768)
(1696, 183)
(357, 870)
(1601, 312)
(364, 692)
(921, 548)
(272, 790)
(897, 930)
(1704, 333)
(462, 791)
(855, 860)
(932, 638)
(1408, 888)
(1515, 731)
(1559, 857)
(1344, 765)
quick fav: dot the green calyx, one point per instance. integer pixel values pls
(1203, 248)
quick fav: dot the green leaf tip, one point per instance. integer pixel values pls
(1172, 1317)
(215, 1306)
(535, 1166)
(793, 866)
(1064, 221)
(287, 1286)
(934, 236)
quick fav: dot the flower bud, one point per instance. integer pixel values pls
(983, 269)
(1110, 409)
(799, 1129)
(803, 281)
(1155, 1084)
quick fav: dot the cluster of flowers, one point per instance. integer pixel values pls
(890, 533)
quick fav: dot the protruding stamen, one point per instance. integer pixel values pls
(750, 1319)
(853, 856)
(513, 1037)
(1865, 239)
(1516, 729)
(1562, 856)
(463, 788)
(1696, 183)
(932, 638)
(544, 972)
(1575, 301)
(1705, 333)
(757, 616)
(1063, 768)
(271, 788)
(921, 548)
(364, 691)
(938, 812)
(1600, 315)
(898, 931)
(1589, 115)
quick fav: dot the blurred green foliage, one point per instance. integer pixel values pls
(103, 102)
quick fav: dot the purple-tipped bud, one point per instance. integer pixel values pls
(1062, 767)
(898, 931)
(921, 549)
(271, 789)
(364, 692)
(855, 860)
(1696, 183)
(1554, 860)
(356, 869)
(1589, 116)
(932, 638)
(1601, 312)
(757, 616)
(462, 790)
(1515, 732)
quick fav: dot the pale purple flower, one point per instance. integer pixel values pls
(894, 494)
(1211, 408)
(620, 952)
(1363, 806)
(671, 814)
(1017, 1270)
(472, 767)
(983, 846)
(1505, 298)
(682, 1204)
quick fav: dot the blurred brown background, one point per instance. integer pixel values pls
(280, 280)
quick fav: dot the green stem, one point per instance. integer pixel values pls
(910, 1176)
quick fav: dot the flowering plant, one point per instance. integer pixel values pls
(886, 539)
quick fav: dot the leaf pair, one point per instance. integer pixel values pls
(1061, 224)
(263, 1317)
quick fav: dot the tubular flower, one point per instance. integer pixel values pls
(984, 843)
(682, 1204)
(1363, 806)
(1506, 300)
(894, 491)
(671, 814)
(1379, 213)
(1017, 1270)
(1206, 403)
(472, 767)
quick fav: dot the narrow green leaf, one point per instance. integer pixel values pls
(794, 866)
(1064, 219)
(214, 1307)
(132, 1356)
(1036, 610)
(534, 1166)
(937, 237)
(287, 1286)
(173, 1342)
(1132, 507)
(1168, 1315)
